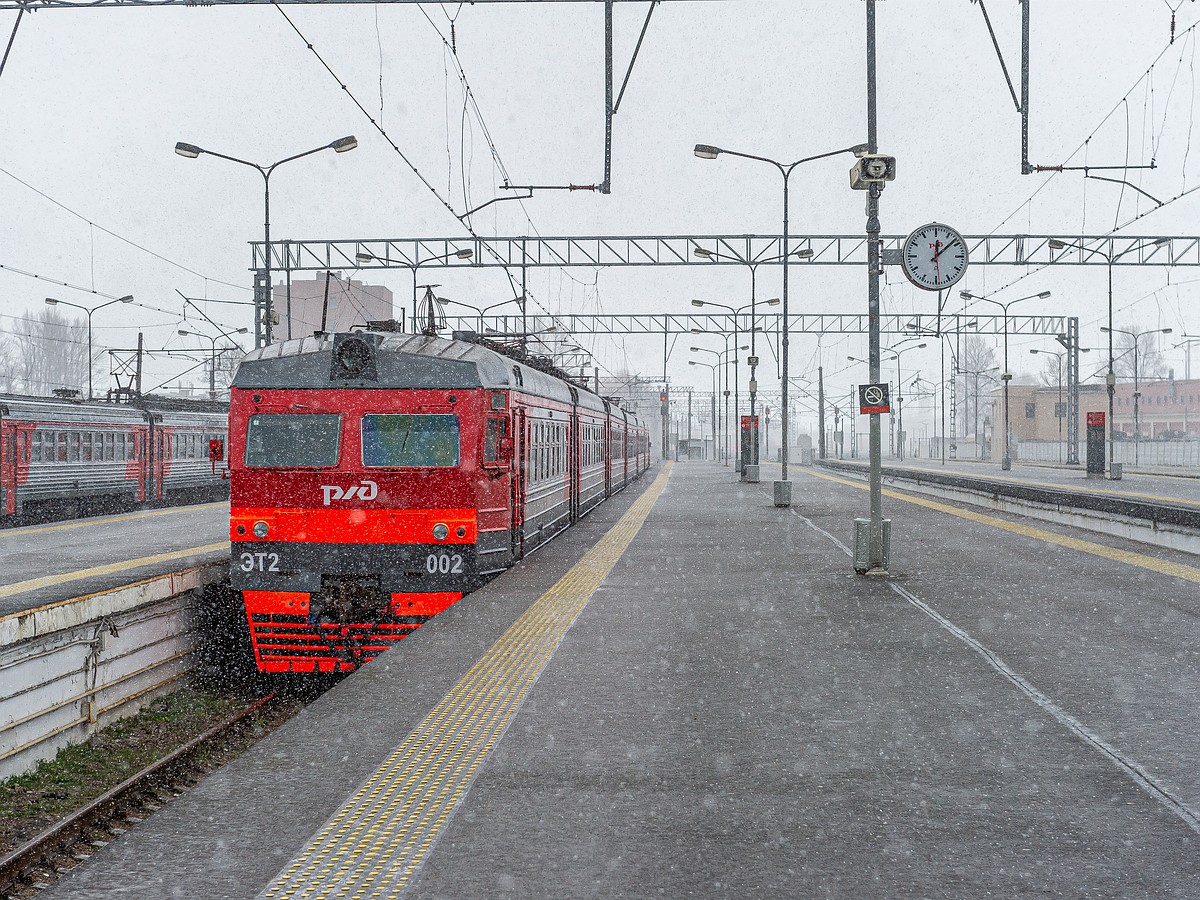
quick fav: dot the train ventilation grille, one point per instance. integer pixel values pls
(282, 638)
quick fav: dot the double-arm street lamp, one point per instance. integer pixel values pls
(481, 311)
(752, 265)
(262, 312)
(1058, 409)
(363, 258)
(1006, 462)
(739, 462)
(1111, 377)
(783, 487)
(896, 352)
(212, 370)
(712, 367)
(1137, 393)
(723, 360)
(51, 301)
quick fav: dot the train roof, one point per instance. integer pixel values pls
(56, 409)
(411, 361)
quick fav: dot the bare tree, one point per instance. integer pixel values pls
(51, 354)
(1149, 359)
(9, 375)
(1053, 372)
(974, 380)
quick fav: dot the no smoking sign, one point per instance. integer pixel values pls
(873, 399)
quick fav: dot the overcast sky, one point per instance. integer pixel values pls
(93, 102)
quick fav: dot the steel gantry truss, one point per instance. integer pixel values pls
(768, 324)
(724, 250)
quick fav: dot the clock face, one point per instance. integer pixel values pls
(934, 257)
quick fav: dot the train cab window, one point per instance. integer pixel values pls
(293, 441)
(494, 431)
(410, 441)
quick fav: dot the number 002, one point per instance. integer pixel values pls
(444, 564)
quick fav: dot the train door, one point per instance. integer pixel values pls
(574, 479)
(8, 469)
(606, 432)
(520, 463)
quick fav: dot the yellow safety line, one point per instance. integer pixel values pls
(84, 523)
(1120, 495)
(1189, 573)
(373, 845)
(21, 587)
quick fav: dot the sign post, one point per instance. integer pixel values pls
(1095, 447)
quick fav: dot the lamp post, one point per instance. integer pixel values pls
(51, 301)
(752, 265)
(713, 368)
(739, 461)
(212, 370)
(1137, 394)
(262, 312)
(1006, 376)
(1058, 358)
(363, 258)
(481, 311)
(896, 351)
(1111, 377)
(723, 358)
(783, 487)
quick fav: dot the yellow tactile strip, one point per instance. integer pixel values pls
(374, 844)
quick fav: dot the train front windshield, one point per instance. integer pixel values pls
(419, 441)
(283, 440)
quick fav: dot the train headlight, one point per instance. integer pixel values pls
(261, 530)
(440, 531)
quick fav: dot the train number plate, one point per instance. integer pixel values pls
(258, 562)
(444, 563)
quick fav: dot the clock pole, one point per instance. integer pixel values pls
(875, 551)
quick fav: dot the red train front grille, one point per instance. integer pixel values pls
(284, 643)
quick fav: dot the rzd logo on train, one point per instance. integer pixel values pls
(366, 490)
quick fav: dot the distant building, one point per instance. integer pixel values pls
(300, 305)
(1167, 409)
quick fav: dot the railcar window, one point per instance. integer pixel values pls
(410, 441)
(495, 430)
(293, 441)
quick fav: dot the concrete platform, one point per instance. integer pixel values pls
(43, 565)
(735, 713)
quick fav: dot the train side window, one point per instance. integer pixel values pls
(85, 446)
(494, 433)
(35, 454)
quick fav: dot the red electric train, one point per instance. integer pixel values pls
(68, 458)
(377, 477)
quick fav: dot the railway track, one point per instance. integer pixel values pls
(33, 866)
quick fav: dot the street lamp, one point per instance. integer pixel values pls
(896, 351)
(212, 371)
(783, 487)
(51, 301)
(481, 311)
(1111, 377)
(722, 355)
(739, 460)
(752, 265)
(262, 312)
(1058, 358)
(1137, 394)
(1006, 462)
(363, 258)
(713, 368)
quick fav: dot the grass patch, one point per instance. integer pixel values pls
(82, 772)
